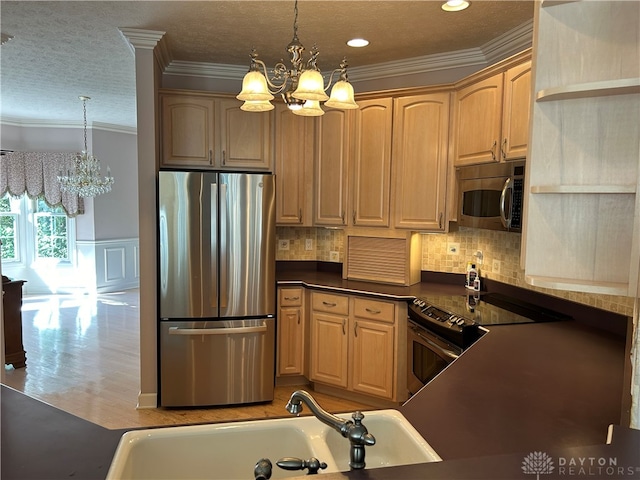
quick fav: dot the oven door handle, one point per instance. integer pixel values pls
(448, 353)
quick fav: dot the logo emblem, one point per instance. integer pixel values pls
(537, 463)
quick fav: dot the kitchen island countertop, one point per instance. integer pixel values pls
(551, 388)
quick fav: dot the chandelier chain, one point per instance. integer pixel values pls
(84, 110)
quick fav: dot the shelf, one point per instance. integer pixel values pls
(624, 189)
(553, 3)
(604, 88)
(587, 286)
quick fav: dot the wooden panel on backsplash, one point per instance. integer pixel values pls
(384, 260)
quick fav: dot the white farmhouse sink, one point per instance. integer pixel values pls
(230, 450)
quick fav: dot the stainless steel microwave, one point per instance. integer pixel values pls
(491, 196)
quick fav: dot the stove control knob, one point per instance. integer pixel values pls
(416, 301)
(460, 321)
(453, 319)
(422, 303)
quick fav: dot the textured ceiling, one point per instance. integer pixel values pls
(64, 49)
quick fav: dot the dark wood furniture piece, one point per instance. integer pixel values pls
(14, 353)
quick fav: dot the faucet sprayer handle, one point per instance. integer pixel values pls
(292, 463)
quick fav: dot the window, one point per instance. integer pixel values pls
(52, 229)
(32, 231)
(9, 209)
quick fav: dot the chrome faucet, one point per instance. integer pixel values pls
(354, 431)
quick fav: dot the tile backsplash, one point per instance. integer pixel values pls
(447, 253)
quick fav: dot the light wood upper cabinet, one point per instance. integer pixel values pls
(294, 167)
(582, 217)
(478, 113)
(203, 130)
(246, 139)
(291, 331)
(491, 115)
(516, 112)
(331, 167)
(420, 160)
(372, 163)
(188, 125)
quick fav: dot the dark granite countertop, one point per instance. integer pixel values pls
(552, 388)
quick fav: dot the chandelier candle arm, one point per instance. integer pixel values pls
(301, 85)
(85, 179)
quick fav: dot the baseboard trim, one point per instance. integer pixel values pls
(147, 400)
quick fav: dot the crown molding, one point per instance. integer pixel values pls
(505, 45)
(418, 65)
(148, 40)
(34, 123)
(219, 71)
(510, 43)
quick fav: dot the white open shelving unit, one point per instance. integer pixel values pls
(582, 209)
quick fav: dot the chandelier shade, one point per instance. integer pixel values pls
(254, 88)
(85, 179)
(301, 85)
(257, 106)
(342, 96)
(311, 87)
(311, 108)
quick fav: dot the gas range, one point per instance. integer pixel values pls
(458, 318)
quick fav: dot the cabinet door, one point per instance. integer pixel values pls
(294, 156)
(478, 113)
(187, 131)
(331, 156)
(245, 138)
(516, 112)
(420, 152)
(329, 349)
(372, 163)
(290, 341)
(373, 360)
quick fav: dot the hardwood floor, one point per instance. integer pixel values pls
(83, 358)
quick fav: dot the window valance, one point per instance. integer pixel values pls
(36, 173)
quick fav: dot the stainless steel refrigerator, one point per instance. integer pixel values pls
(216, 288)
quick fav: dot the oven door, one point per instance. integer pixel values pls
(428, 355)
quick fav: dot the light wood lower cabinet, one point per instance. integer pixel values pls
(357, 344)
(291, 331)
(329, 349)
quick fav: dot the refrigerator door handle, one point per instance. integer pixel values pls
(217, 331)
(224, 274)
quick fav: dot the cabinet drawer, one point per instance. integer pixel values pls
(290, 297)
(326, 302)
(374, 310)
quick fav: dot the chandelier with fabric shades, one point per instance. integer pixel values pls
(300, 84)
(85, 180)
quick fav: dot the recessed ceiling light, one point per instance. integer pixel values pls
(455, 5)
(358, 42)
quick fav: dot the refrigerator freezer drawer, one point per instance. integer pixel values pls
(220, 362)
